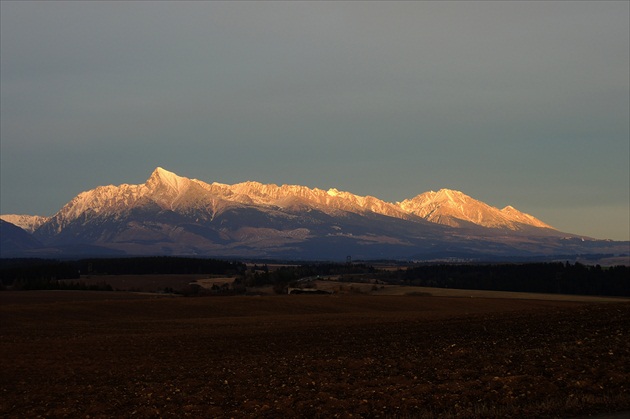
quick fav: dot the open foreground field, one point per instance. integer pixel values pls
(101, 354)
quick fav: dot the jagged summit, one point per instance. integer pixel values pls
(456, 209)
(162, 177)
(451, 194)
(171, 214)
(170, 191)
(162, 173)
(29, 223)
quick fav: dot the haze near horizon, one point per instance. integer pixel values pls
(513, 103)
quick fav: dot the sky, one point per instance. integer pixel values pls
(513, 103)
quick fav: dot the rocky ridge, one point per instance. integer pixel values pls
(170, 214)
(173, 192)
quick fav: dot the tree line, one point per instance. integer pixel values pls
(46, 273)
(554, 278)
(549, 277)
(281, 277)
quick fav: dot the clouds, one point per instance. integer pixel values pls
(531, 97)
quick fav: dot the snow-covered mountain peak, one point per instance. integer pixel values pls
(170, 214)
(451, 195)
(166, 190)
(452, 207)
(160, 171)
(165, 179)
(29, 223)
(442, 197)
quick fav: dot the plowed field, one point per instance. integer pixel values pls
(82, 354)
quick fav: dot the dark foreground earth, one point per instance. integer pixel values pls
(82, 354)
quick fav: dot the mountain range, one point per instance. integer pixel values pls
(174, 215)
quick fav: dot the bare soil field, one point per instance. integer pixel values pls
(374, 289)
(145, 283)
(108, 354)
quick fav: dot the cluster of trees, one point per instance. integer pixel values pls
(555, 278)
(281, 277)
(157, 265)
(49, 273)
(562, 278)
(39, 273)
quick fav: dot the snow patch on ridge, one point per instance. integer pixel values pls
(333, 192)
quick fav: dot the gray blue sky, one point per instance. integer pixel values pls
(514, 103)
